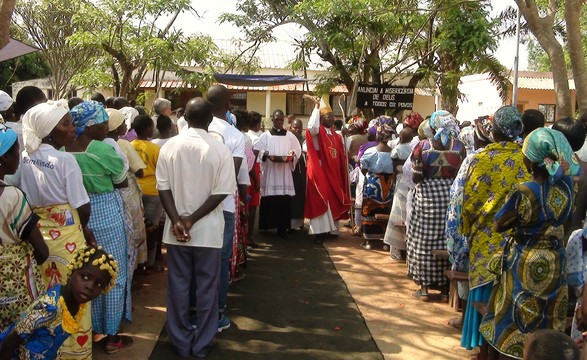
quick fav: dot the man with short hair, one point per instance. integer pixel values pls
(280, 151)
(193, 227)
(219, 128)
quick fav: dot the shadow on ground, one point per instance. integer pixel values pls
(292, 304)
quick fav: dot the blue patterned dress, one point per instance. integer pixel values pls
(378, 190)
(531, 291)
(40, 327)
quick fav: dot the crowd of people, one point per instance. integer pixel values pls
(102, 176)
(501, 194)
(498, 195)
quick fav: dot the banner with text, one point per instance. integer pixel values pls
(385, 96)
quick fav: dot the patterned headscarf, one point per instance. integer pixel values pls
(382, 126)
(550, 149)
(87, 114)
(484, 128)
(7, 138)
(384, 132)
(413, 120)
(360, 123)
(467, 137)
(445, 125)
(424, 130)
(372, 127)
(508, 121)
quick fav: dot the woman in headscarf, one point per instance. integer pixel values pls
(358, 175)
(131, 195)
(530, 292)
(466, 136)
(435, 163)
(492, 174)
(130, 114)
(102, 169)
(408, 139)
(377, 167)
(54, 186)
(21, 245)
(456, 244)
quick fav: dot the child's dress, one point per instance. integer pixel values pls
(40, 327)
(576, 275)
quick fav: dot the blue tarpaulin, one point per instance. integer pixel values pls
(257, 80)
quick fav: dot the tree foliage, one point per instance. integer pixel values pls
(380, 41)
(49, 24)
(137, 40)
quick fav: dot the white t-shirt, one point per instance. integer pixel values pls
(52, 177)
(160, 141)
(194, 157)
(182, 125)
(235, 142)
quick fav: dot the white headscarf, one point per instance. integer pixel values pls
(5, 101)
(40, 120)
(130, 114)
(116, 119)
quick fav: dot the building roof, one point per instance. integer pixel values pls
(299, 87)
(272, 55)
(534, 80)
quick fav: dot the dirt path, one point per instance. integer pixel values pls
(402, 326)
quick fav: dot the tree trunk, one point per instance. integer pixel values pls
(6, 9)
(542, 28)
(576, 51)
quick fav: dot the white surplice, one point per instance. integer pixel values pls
(276, 178)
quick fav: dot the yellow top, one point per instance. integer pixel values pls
(149, 152)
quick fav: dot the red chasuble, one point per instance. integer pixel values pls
(327, 177)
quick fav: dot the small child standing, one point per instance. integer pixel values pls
(55, 315)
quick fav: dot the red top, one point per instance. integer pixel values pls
(328, 180)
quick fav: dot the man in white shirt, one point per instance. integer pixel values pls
(219, 98)
(194, 226)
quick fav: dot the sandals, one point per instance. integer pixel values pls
(421, 296)
(113, 347)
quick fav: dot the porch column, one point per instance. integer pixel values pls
(268, 103)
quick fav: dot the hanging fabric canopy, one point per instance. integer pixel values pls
(14, 49)
(257, 80)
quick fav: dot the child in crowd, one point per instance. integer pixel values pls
(548, 344)
(55, 315)
(404, 148)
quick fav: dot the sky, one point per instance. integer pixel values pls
(211, 10)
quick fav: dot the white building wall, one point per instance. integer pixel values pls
(480, 97)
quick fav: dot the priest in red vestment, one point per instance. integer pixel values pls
(327, 192)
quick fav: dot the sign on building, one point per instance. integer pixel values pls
(385, 96)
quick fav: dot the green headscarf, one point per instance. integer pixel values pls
(550, 149)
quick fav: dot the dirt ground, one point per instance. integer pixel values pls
(305, 301)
